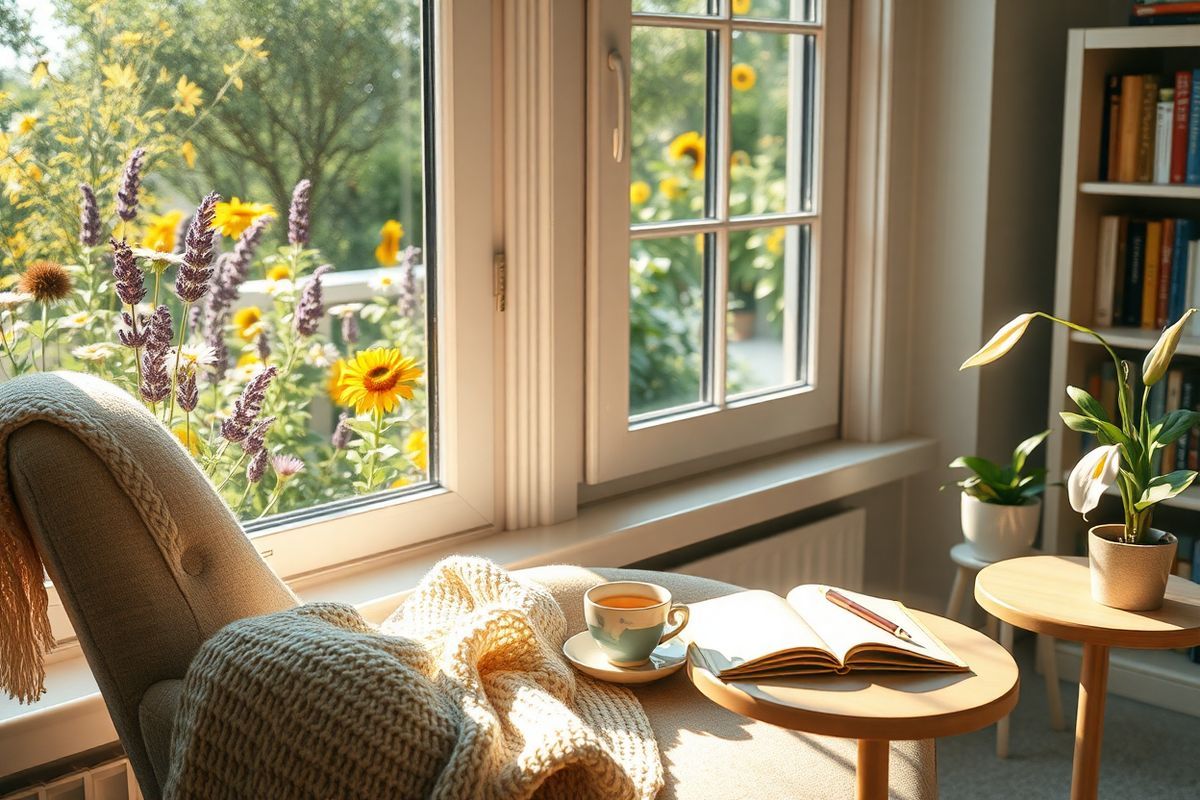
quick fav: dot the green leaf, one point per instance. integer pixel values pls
(1087, 404)
(1078, 422)
(1029, 445)
(1165, 487)
(986, 470)
(1174, 425)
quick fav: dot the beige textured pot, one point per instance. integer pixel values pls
(997, 532)
(1132, 577)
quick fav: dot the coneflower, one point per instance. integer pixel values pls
(287, 466)
(47, 281)
(247, 407)
(310, 309)
(131, 183)
(298, 213)
(89, 217)
(156, 381)
(191, 282)
(130, 282)
(341, 432)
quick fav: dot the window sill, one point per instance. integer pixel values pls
(71, 717)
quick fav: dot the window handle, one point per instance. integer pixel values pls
(617, 64)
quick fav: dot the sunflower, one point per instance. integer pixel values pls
(639, 192)
(374, 380)
(389, 243)
(248, 322)
(235, 216)
(670, 188)
(416, 447)
(279, 272)
(161, 230)
(741, 7)
(689, 145)
(775, 239)
(743, 77)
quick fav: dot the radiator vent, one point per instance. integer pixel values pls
(113, 780)
(829, 550)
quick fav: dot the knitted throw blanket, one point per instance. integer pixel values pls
(462, 693)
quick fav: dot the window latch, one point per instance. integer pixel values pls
(499, 288)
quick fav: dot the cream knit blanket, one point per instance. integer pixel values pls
(462, 693)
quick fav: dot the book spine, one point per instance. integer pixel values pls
(1193, 261)
(1149, 314)
(1166, 250)
(1174, 398)
(1193, 145)
(1106, 270)
(1180, 290)
(1167, 19)
(1135, 258)
(1187, 399)
(1145, 142)
(1131, 114)
(1179, 132)
(1166, 9)
(1108, 129)
(1163, 125)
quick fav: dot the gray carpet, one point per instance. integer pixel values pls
(1149, 753)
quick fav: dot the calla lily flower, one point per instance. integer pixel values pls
(1159, 358)
(1004, 340)
(1094, 473)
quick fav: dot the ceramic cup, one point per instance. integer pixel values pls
(627, 636)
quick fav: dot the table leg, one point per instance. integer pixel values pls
(1006, 641)
(957, 594)
(1045, 647)
(872, 769)
(1089, 725)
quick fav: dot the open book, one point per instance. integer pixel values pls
(757, 634)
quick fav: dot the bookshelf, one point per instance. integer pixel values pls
(1165, 678)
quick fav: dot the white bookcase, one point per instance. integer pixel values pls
(1164, 678)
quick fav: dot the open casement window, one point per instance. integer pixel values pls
(387, 106)
(716, 184)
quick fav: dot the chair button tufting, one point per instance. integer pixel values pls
(192, 562)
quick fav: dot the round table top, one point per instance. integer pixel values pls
(1053, 595)
(882, 705)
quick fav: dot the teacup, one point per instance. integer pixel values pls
(627, 620)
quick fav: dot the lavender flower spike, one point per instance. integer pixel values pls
(258, 466)
(130, 283)
(131, 183)
(350, 328)
(129, 337)
(191, 282)
(310, 308)
(257, 436)
(156, 381)
(298, 213)
(245, 409)
(187, 394)
(89, 217)
(341, 433)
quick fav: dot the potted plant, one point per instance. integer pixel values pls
(1001, 506)
(1130, 562)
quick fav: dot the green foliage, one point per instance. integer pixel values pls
(1008, 485)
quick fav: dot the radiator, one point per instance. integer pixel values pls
(828, 551)
(113, 780)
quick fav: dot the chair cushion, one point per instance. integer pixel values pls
(708, 753)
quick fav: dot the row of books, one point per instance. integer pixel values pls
(1169, 13)
(1150, 131)
(1146, 271)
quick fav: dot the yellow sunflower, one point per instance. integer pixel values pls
(235, 216)
(775, 239)
(389, 242)
(160, 231)
(639, 192)
(743, 77)
(689, 145)
(416, 447)
(375, 380)
(279, 272)
(248, 322)
(741, 6)
(334, 386)
(671, 188)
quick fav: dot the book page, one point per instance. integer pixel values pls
(855, 641)
(741, 630)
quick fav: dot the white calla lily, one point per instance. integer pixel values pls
(1094, 473)
(1159, 357)
(1001, 343)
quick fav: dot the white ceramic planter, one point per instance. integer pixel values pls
(1132, 577)
(998, 532)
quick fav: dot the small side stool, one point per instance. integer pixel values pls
(969, 566)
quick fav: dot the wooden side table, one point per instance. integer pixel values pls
(878, 707)
(969, 565)
(1052, 595)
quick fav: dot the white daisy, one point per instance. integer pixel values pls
(345, 309)
(384, 282)
(96, 351)
(321, 355)
(14, 299)
(77, 320)
(281, 286)
(193, 355)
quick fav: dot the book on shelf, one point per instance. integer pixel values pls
(1194, 653)
(1150, 128)
(756, 634)
(1145, 271)
(1185, 12)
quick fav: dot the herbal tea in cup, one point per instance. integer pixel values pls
(627, 619)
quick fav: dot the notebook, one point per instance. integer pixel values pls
(757, 634)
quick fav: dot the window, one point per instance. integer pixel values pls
(716, 255)
(381, 376)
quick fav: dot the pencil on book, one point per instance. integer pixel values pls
(840, 600)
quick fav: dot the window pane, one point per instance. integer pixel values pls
(767, 308)
(667, 330)
(795, 10)
(245, 100)
(670, 124)
(772, 123)
(674, 6)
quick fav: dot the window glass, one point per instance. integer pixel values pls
(280, 329)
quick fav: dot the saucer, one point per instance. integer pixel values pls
(582, 651)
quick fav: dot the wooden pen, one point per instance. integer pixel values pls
(861, 611)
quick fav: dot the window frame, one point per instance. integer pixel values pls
(615, 447)
(462, 341)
